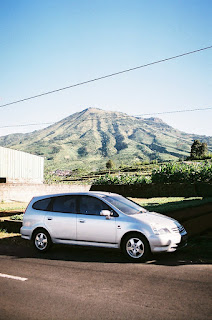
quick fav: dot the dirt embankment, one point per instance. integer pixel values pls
(196, 220)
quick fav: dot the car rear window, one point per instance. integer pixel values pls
(42, 204)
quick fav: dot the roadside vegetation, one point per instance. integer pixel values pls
(165, 173)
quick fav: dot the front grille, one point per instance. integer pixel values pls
(178, 229)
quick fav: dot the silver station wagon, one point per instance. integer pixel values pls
(100, 219)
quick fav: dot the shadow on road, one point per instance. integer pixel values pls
(198, 251)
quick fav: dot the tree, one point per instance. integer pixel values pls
(109, 165)
(204, 149)
(198, 150)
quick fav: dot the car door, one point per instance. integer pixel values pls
(61, 219)
(91, 226)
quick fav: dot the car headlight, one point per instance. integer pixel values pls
(160, 230)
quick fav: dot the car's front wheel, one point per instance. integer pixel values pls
(41, 240)
(135, 247)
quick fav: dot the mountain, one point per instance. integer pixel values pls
(93, 136)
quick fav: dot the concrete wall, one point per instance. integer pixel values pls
(23, 192)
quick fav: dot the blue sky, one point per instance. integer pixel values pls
(51, 44)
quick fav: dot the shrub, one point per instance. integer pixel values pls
(17, 217)
(182, 172)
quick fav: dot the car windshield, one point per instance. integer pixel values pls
(125, 205)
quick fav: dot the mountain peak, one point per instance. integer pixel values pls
(156, 120)
(89, 137)
(92, 110)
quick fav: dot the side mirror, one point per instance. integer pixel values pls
(105, 213)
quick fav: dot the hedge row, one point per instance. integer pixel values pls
(158, 190)
(109, 179)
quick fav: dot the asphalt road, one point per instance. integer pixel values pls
(86, 283)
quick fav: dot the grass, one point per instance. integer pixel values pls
(12, 206)
(163, 205)
(4, 234)
(12, 239)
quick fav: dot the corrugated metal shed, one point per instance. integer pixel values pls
(20, 167)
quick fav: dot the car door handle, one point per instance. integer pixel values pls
(81, 221)
(49, 218)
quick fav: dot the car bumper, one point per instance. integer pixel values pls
(167, 242)
(26, 233)
(183, 242)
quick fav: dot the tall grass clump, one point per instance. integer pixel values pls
(183, 172)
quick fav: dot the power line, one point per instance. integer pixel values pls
(176, 111)
(26, 125)
(104, 118)
(106, 76)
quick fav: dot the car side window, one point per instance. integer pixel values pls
(92, 206)
(42, 204)
(65, 204)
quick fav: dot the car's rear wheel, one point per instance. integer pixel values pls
(41, 240)
(135, 247)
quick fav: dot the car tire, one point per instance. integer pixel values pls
(41, 240)
(135, 247)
